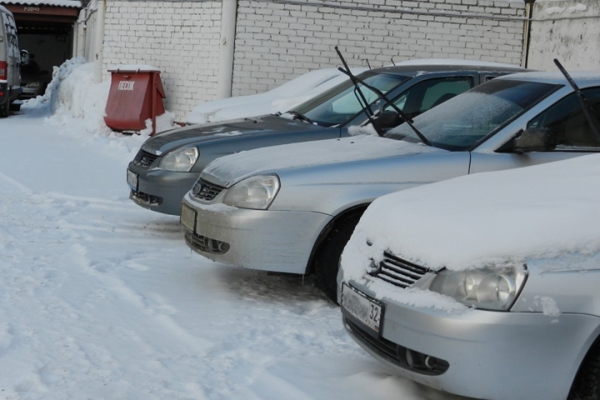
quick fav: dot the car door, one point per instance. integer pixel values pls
(565, 118)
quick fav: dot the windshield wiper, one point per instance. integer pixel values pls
(356, 80)
(588, 110)
(300, 116)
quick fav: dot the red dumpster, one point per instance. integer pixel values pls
(135, 96)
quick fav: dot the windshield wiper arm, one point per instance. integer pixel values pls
(356, 80)
(588, 110)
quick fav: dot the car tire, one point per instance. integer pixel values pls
(328, 255)
(587, 382)
(5, 109)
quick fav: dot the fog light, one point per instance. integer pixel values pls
(219, 247)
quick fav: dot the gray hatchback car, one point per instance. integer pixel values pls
(292, 208)
(168, 164)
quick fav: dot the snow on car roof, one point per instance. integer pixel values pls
(454, 61)
(548, 211)
(582, 78)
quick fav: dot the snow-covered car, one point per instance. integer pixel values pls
(293, 208)
(485, 285)
(280, 99)
(168, 164)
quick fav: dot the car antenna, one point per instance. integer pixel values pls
(356, 80)
(588, 110)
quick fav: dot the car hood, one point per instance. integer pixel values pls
(230, 169)
(196, 134)
(544, 212)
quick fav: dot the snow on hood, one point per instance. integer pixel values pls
(233, 168)
(548, 211)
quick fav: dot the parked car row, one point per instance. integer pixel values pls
(440, 282)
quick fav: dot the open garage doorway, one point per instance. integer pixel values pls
(45, 30)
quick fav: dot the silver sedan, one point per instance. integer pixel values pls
(487, 286)
(293, 208)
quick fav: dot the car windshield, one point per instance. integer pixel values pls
(463, 122)
(341, 104)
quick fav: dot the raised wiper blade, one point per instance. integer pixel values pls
(387, 101)
(587, 108)
(356, 80)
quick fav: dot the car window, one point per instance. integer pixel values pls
(343, 102)
(468, 119)
(568, 122)
(430, 93)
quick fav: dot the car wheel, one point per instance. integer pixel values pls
(328, 255)
(587, 381)
(4, 109)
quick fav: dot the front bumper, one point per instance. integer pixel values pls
(490, 355)
(278, 241)
(160, 190)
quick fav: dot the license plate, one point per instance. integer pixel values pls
(188, 217)
(366, 310)
(132, 180)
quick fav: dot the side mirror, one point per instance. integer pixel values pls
(387, 119)
(534, 139)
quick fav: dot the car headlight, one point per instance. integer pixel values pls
(180, 160)
(256, 192)
(483, 288)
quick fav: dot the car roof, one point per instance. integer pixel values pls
(419, 67)
(581, 78)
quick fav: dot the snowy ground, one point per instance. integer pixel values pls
(101, 299)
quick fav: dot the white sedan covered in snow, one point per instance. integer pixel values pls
(280, 99)
(485, 285)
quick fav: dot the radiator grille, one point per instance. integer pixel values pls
(144, 158)
(397, 271)
(205, 190)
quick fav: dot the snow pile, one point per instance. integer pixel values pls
(73, 97)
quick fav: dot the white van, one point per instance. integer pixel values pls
(10, 59)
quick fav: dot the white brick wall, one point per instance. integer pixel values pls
(275, 41)
(180, 38)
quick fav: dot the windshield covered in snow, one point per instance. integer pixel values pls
(465, 121)
(341, 104)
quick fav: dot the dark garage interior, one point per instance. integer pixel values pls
(46, 30)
